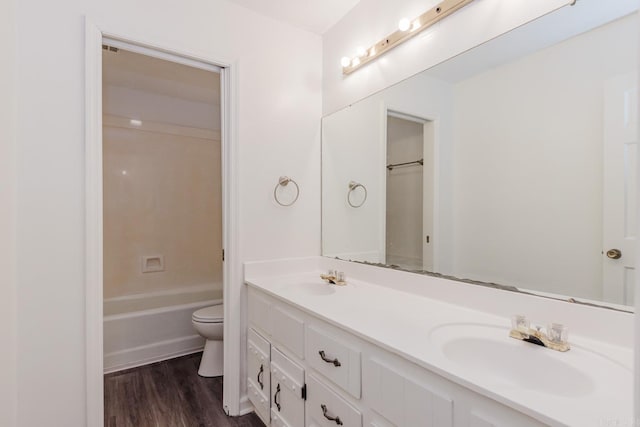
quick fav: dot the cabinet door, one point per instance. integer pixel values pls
(405, 402)
(287, 391)
(258, 375)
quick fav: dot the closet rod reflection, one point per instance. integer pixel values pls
(415, 162)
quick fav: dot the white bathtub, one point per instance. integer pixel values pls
(147, 328)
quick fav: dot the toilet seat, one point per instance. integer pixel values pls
(213, 314)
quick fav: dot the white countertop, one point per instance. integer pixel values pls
(410, 325)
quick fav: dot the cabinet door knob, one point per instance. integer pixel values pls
(325, 412)
(335, 361)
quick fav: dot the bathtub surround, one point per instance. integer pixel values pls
(161, 175)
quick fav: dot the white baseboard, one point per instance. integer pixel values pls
(246, 407)
(151, 353)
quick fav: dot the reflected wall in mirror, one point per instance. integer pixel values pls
(513, 163)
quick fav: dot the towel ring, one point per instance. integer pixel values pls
(284, 181)
(353, 186)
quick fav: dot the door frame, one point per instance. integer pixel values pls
(426, 120)
(232, 269)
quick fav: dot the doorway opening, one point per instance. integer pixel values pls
(162, 215)
(134, 176)
(409, 192)
(162, 204)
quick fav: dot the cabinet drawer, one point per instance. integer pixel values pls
(325, 408)
(334, 359)
(287, 401)
(287, 329)
(258, 311)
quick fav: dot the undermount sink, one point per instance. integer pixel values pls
(486, 352)
(311, 288)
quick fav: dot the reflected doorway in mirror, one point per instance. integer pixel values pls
(409, 191)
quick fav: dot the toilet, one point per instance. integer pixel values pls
(209, 322)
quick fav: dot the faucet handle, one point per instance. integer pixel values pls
(558, 333)
(520, 323)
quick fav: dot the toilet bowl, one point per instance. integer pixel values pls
(208, 322)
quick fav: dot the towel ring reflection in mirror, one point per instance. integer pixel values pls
(352, 187)
(283, 182)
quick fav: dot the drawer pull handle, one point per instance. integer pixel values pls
(275, 397)
(260, 374)
(330, 418)
(335, 361)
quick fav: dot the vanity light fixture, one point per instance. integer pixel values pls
(404, 24)
(406, 30)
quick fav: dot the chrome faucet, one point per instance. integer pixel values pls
(555, 336)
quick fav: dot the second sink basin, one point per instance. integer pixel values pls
(487, 352)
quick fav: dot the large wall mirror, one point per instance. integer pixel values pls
(513, 163)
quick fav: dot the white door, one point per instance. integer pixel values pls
(619, 199)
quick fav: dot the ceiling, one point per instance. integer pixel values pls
(316, 16)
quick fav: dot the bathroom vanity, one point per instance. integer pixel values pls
(368, 354)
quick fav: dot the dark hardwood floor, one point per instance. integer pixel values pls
(168, 394)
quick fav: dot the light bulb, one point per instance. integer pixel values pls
(135, 122)
(361, 51)
(355, 62)
(372, 51)
(345, 61)
(404, 24)
(415, 25)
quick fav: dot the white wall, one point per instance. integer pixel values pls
(528, 155)
(371, 20)
(279, 108)
(7, 219)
